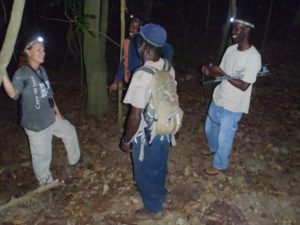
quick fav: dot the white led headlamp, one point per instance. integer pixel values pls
(243, 22)
(34, 41)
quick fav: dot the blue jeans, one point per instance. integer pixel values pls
(150, 174)
(220, 129)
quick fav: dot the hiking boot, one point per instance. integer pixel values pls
(143, 214)
(207, 152)
(211, 171)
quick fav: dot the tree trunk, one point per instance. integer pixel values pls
(11, 36)
(297, 18)
(94, 52)
(267, 24)
(232, 10)
(122, 37)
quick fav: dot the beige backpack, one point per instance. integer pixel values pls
(162, 114)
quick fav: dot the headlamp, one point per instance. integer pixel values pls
(33, 41)
(242, 22)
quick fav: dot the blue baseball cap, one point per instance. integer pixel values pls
(154, 34)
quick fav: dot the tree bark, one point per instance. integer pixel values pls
(122, 37)
(11, 36)
(94, 52)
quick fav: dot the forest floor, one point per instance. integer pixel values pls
(260, 188)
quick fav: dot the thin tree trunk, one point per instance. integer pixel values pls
(11, 36)
(4, 11)
(122, 36)
(267, 24)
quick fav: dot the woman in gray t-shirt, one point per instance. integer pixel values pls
(40, 116)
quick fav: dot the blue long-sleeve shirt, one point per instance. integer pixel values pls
(134, 61)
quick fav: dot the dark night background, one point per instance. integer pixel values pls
(183, 20)
(262, 185)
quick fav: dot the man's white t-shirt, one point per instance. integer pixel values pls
(233, 61)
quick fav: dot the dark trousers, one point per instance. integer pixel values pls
(150, 174)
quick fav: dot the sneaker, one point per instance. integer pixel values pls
(143, 214)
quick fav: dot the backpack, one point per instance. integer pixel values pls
(162, 113)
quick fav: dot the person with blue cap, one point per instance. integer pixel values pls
(150, 170)
(131, 59)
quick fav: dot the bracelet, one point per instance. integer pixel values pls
(124, 142)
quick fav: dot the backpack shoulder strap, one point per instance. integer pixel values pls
(167, 64)
(147, 69)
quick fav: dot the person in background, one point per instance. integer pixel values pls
(231, 98)
(131, 60)
(149, 161)
(40, 115)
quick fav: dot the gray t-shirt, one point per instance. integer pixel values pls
(37, 114)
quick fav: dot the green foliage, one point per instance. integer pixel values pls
(83, 24)
(73, 11)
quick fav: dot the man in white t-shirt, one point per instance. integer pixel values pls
(149, 160)
(231, 98)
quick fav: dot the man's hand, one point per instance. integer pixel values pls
(125, 146)
(113, 87)
(132, 125)
(212, 70)
(205, 70)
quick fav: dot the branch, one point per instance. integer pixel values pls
(29, 196)
(58, 20)
(11, 35)
(99, 32)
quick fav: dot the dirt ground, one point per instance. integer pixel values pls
(260, 188)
